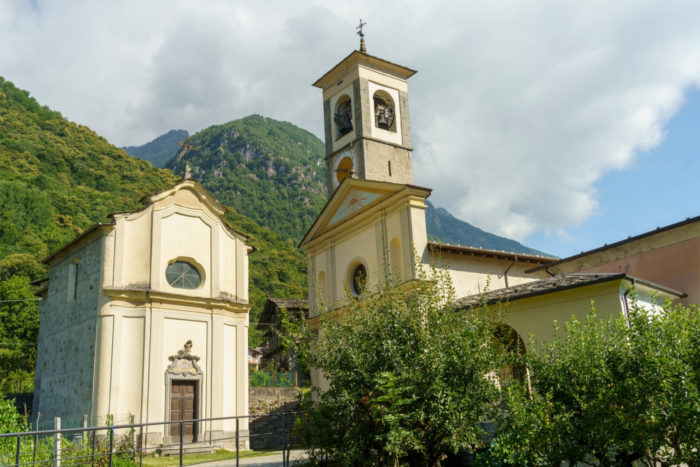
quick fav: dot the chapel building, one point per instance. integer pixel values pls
(147, 317)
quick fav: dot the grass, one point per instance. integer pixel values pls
(189, 459)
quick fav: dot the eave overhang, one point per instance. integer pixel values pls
(357, 58)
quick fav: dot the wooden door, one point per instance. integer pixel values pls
(183, 406)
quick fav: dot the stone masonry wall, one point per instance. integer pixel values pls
(268, 424)
(66, 347)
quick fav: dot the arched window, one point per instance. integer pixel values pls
(514, 345)
(343, 116)
(384, 111)
(358, 279)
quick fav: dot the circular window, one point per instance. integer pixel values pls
(344, 169)
(183, 275)
(358, 280)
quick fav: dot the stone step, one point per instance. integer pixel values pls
(192, 448)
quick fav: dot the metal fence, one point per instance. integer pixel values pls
(127, 444)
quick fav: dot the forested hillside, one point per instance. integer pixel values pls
(271, 171)
(58, 178)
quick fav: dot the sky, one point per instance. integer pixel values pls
(562, 124)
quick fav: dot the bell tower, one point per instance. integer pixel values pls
(366, 119)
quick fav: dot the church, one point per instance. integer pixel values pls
(147, 318)
(373, 224)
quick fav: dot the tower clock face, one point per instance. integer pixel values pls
(344, 167)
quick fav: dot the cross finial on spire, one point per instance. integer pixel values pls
(361, 33)
(186, 146)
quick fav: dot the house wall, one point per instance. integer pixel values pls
(676, 266)
(670, 258)
(472, 274)
(67, 327)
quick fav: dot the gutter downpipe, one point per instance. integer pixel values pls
(505, 273)
(625, 303)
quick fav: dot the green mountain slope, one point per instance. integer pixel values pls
(444, 227)
(58, 178)
(159, 151)
(270, 171)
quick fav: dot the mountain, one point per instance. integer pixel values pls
(58, 178)
(159, 151)
(274, 173)
(271, 171)
(444, 227)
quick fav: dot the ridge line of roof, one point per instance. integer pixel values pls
(658, 230)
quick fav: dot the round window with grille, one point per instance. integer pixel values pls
(183, 275)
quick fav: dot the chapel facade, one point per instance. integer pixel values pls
(147, 317)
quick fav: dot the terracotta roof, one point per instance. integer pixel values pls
(553, 284)
(496, 254)
(658, 230)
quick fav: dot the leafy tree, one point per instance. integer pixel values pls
(408, 376)
(19, 327)
(609, 392)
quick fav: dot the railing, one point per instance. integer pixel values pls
(105, 445)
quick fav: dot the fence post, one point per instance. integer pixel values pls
(133, 437)
(36, 437)
(85, 432)
(181, 441)
(111, 445)
(94, 436)
(237, 442)
(19, 446)
(57, 442)
(284, 442)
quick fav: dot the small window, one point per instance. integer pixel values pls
(358, 279)
(183, 275)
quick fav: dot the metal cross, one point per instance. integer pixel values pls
(359, 28)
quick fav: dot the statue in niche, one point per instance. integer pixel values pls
(383, 114)
(343, 118)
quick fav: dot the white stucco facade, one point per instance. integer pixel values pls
(110, 325)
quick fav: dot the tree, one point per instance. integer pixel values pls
(19, 328)
(609, 392)
(408, 376)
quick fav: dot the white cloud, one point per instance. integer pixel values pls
(517, 110)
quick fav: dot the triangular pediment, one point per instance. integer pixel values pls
(353, 199)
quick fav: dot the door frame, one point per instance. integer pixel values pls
(198, 403)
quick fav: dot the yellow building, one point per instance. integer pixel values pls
(148, 317)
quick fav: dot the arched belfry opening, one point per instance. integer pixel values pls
(343, 116)
(384, 111)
